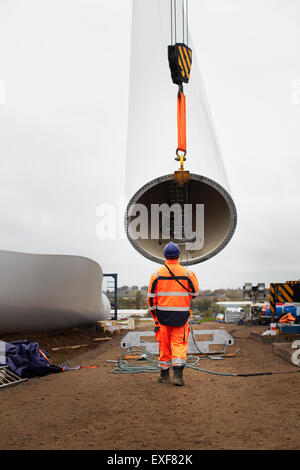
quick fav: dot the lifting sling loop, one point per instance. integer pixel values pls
(181, 122)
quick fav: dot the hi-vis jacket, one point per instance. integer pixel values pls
(167, 299)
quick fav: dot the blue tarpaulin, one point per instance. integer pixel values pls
(28, 360)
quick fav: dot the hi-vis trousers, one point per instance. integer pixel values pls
(173, 344)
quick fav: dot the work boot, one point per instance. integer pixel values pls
(164, 377)
(178, 376)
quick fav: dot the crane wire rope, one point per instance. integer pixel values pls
(185, 21)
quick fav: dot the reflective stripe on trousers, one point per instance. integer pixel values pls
(178, 361)
(165, 364)
(173, 344)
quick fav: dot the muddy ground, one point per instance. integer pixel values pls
(94, 409)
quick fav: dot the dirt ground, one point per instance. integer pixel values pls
(94, 409)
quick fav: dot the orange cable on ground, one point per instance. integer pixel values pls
(89, 367)
(40, 351)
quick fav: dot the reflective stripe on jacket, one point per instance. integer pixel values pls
(167, 299)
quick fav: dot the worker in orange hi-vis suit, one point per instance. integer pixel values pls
(170, 291)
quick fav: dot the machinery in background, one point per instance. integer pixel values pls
(257, 295)
(254, 293)
(286, 293)
(237, 315)
(263, 312)
(284, 300)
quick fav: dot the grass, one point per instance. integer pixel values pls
(207, 319)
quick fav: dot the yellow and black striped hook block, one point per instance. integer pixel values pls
(180, 62)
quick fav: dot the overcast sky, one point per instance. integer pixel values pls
(64, 82)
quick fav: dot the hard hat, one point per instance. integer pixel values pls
(171, 251)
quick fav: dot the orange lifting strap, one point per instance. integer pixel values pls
(43, 355)
(181, 121)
